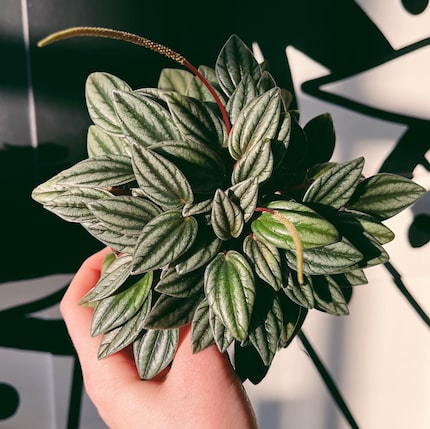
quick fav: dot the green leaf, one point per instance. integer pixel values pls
(163, 240)
(99, 90)
(335, 186)
(117, 309)
(226, 218)
(116, 240)
(321, 138)
(204, 249)
(245, 92)
(170, 312)
(350, 278)
(222, 336)
(181, 285)
(259, 120)
(302, 295)
(372, 251)
(353, 220)
(234, 62)
(328, 296)
(191, 209)
(230, 289)
(48, 190)
(201, 336)
(195, 121)
(266, 260)
(248, 364)
(197, 89)
(175, 80)
(110, 281)
(256, 162)
(202, 166)
(266, 327)
(384, 195)
(143, 120)
(101, 171)
(72, 205)
(101, 143)
(312, 229)
(154, 351)
(124, 214)
(159, 179)
(245, 195)
(329, 259)
(293, 318)
(122, 336)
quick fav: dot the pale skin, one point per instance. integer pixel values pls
(199, 390)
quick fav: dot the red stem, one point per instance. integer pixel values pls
(211, 89)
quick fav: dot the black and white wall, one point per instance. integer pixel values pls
(367, 62)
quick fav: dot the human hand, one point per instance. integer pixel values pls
(198, 391)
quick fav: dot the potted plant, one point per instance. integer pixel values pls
(221, 208)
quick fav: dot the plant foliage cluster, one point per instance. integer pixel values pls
(237, 223)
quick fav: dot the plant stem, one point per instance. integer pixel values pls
(124, 36)
(331, 386)
(404, 291)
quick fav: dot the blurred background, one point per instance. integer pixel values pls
(367, 62)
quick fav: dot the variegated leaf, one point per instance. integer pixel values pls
(159, 179)
(99, 90)
(226, 218)
(230, 289)
(234, 62)
(143, 120)
(163, 240)
(154, 351)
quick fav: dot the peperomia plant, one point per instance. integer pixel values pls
(222, 211)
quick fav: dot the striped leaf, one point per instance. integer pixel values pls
(230, 289)
(202, 166)
(256, 162)
(266, 260)
(72, 205)
(102, 171)
(170, 312)
(329, 259)
(258, 121)
(384, 195)
(181, 285)
(176, 80)
(201, 334)
(117, 309)
(335, 186)
(143, 120)
(226, 218)
(99, 90)
(234, 62)
(100, 143)
(222, 336)
(266, 327)
(110, 281)
(154, 351)
(122, 336)
(124, 214)
(329, 297)
(245, 194)
(159, 179)
(163, 240)
(195, 121)
(203, 251)
(245, 92)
